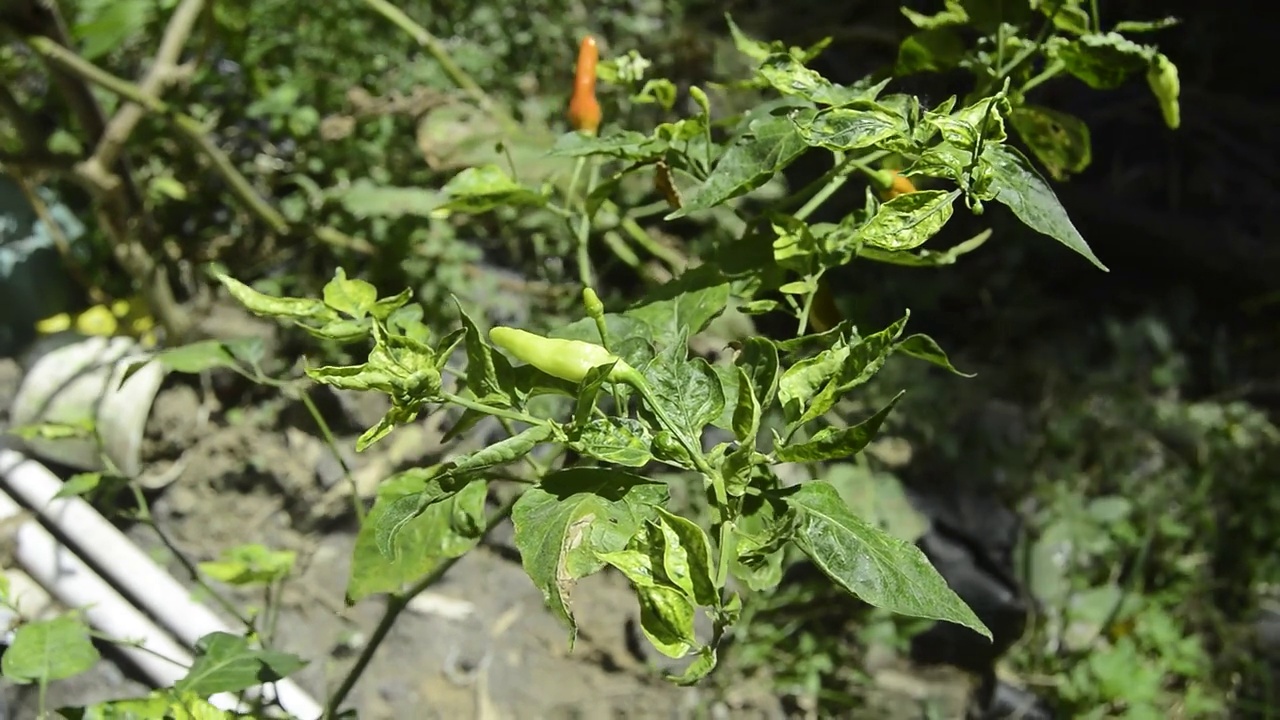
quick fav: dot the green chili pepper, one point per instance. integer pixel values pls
(565, 359)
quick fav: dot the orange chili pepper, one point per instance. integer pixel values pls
(584, 109)
(898, 184)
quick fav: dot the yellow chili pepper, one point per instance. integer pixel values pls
(565, 359)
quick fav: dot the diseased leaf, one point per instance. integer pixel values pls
(563, 524)
(876, 567)
(771, 144)
(852, 128)
(621, 441)
(908, 221)
(838, 443)
(1059, 141)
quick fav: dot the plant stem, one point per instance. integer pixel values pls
(436, 49)
(835, 178)
(491, 410)
(396, 604)
(332, 442)
(144, 516)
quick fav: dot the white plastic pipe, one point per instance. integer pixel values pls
(127, 566)
(55, 567)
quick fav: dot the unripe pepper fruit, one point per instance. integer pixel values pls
(584, 108)
(565, 359)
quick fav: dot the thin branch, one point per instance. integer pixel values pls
(162, 72)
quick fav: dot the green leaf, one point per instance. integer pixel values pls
(746, 415)
(876, 567)
(770, 145)
(789, 76)
(688, 391)
(268, 306)
(926, 258)
(588, 391)
(79, 484)
(621, 441)
(206, 355)
(923, 347)
(1162, 77)
(443, 530)
(488, 373)
(48, 650)
(1017, 185)
(366, 199)
(562, 524)
(1102, 61)
(908, 221)
(251, 564)
(480, 189)
(225, 663)
(666, 612)
(1059, 141)
(851, 128)
(354, 298)
(812, 386)
(686, 557)
(110, 25)
(838, 443)
(932, 50)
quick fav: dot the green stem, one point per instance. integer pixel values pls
(699, 462)
(1050, 72)
(436, 50)
(584, 227)
(396, 604)
(144, 516)
(836, 178)
(332, 442)
(491, 410)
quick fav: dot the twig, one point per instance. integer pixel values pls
(59, 240)
(162, 71)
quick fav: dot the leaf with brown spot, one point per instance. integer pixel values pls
(573, 515)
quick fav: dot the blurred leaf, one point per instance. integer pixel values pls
(365, 199)
(932, 50)
(251, 564)
(1059, 141)
(225, 663)
(48, 650)
(1102, 61)
(480, 189)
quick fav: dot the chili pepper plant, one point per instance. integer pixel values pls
(604, 414)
